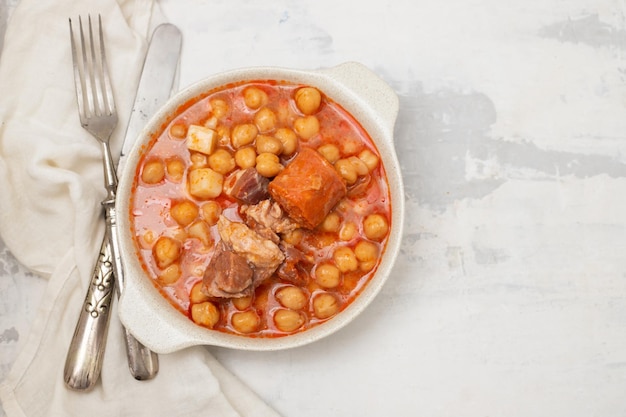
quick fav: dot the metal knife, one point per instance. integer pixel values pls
(86, 351)
(158, 82)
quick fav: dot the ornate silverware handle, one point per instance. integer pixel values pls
(143, 363)
(84, 357)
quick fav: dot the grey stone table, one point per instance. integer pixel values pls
(509, 294)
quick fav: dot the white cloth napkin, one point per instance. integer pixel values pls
(51, 186)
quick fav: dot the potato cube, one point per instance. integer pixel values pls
(201, 139)
(204, 183)
(201, 231)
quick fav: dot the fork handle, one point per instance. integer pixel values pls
(143, 363)
(86, 351)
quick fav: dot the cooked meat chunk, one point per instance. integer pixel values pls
(268, 219)
(263, 255)
(292, 268)
(249, 187)
(228, 275)
(308, 188)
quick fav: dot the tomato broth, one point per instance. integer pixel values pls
(184, 193)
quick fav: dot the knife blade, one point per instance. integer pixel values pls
(86, 351)
(155, 87)
(157, 83)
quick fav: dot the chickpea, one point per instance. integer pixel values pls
(268, 144)
(367, 254)
(308, 100)
(243, 134)
(246, 321)
(366, 251)
(196, 295)
(268, 165)
(178, 233)
(219, 107)
(344, 205)
(211, 212)
(205, 183)
(201, 231)
(291, 297)
(170, 274)
(350, 145)
(346, 170)
(178, 131)
(205, 314)
(327, 275)
(198, 160)
(221, 161)
(175, 168)
(375, 227)
(348, 231)
(359, 166)
(245, 157)
(242, 303)
(325, 305)
(331, 223)
(369, 159)
(153, 171)
(284, 113)
(166, 251)
(323, 240)
(211, 123)
(345, 259)
(306, 127)
(223, 134)
(147, 239)
(184, 212)
(330, 152)
(367, 265)
(265, 120)
(293, 237)
(289, 140)
(198, 270)
(254, 97)
(288, 320)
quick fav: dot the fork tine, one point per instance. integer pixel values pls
(94, 75)
(86, 75)
(98, 92)
(78, 80)
(108, 98)
(94, 94)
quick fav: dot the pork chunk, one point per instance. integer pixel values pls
(248, 186)
(263, 255)
(268, 219)
(228, 275)
(293, 268)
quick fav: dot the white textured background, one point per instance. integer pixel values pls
(509, 295)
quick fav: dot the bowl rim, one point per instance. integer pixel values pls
(360, 92)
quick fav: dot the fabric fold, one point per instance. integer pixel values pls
(51, 220)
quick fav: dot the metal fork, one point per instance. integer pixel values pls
(96, 109)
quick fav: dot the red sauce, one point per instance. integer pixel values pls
(152, 202)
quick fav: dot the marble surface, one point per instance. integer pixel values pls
(508, 297)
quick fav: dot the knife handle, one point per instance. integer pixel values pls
(86, 351)
(142, 362)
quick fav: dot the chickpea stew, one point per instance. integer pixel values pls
(261, 209)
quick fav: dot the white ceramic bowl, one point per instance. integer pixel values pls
(152, 319)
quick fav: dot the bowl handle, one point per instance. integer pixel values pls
(137, 310)
(371, 89)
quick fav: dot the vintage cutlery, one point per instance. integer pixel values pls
(97, 114)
